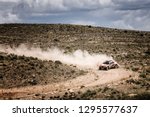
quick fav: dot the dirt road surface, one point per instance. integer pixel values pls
(91, 79)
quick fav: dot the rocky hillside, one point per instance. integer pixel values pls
(131, 49)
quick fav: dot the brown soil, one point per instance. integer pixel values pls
(19, 71)
(91, 79)
(29, 78)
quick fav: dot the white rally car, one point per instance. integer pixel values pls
(109, 64)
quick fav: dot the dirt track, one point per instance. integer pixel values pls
(91, 79)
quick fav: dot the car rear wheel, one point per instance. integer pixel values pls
(106, 68)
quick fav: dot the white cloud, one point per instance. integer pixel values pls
(105, 2)
(134, 19)
(122, 24)
(117, 13)
(87, 4)
(9, 0)
(8, 18)
(53, 6)
(45, 5)
(83, 22)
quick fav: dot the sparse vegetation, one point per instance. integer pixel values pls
(18, 71)
(141, 96)
(129, 48)
(142, 75)
(135, 69)
(88, 94)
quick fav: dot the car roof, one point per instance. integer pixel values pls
(108, 62)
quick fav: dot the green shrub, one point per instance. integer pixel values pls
(135, 69)
(142, 75)
(141, 96)
(88, 94)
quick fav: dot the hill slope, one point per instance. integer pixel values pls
(129, 48)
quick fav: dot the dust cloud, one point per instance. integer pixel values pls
(79, 58)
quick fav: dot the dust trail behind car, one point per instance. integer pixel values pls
(79, 58)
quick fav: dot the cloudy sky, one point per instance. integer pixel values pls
(125, 14)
